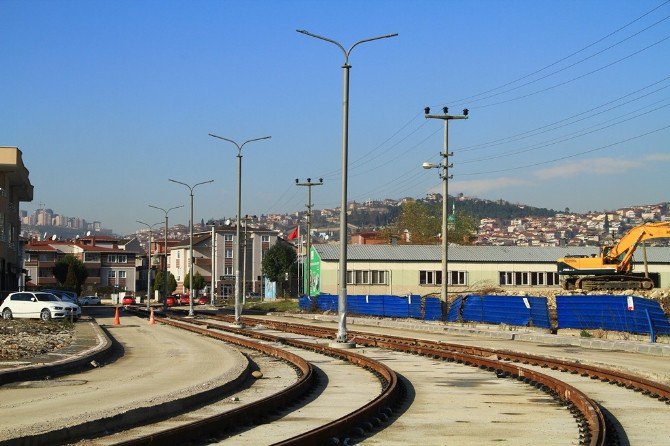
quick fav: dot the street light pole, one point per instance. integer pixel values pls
(309, 184)
(151, 228)
(165, 274)
(342, 294)
(190, 251)
(444, 174)
(238, 300)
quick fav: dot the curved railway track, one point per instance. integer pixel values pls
(635, 383)
(589, 418)
(336, 432)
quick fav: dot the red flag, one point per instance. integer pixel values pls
(293, 234)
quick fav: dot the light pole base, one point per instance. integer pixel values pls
(342, 345)
(237, 325)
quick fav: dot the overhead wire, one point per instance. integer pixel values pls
(543, 129)
(565, 57)
(583, 152)
(569, 137)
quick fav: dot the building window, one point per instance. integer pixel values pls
(531, 278)
(228, 271)
(229, 253)
(458, 278)
(265, 238)
(111, 274)
(378, 277)
(366, 277)
(122, 274)
(122, 258)
(91, 257)
(434, 278)
(227, 237)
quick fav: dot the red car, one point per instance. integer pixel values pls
(128, 301)
(170, 301)
(184, 300)
(203, 300)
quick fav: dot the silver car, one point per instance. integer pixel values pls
(45, 306)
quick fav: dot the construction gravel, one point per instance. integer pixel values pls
(25, 338)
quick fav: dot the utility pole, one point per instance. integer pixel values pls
(247, 218)
(444, 174)
(309, 185)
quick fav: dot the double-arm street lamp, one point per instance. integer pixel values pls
(165, 272)
(444, 174)
(190, 252)
(342, 294)
(238, 300)
(151, 228)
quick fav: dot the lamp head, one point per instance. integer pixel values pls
(309, 180)
(445, 110)
(465, 112)
(428, 165)
(426, 110)
(296, 181)
(320, 180)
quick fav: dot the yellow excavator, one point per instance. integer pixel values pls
(612, 269)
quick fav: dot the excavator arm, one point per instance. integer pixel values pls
(613, 268)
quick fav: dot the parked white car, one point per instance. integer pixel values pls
(40, 305)
(89, 300)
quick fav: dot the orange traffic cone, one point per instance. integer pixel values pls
(117, 321)
(152, 321)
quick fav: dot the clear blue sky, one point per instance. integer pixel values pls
(109, 99)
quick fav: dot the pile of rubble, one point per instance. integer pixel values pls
(25, 338)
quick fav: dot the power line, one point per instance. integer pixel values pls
(563, 58)
(536, 131)
(573, 135)
(568, 156)
(533, 93)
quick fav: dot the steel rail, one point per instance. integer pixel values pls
(355, 423)
(650, 388)
(256, 410)
(592, 425)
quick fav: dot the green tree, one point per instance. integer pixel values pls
(278, 263)
(198, 281)
(465, 231)
(418, 219)
(70, 273)
(159, 283)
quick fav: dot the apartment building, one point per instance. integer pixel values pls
(255, 242)
(110, 262)
(15, 187)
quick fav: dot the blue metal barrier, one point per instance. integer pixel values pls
(513, 310)
(609, 312)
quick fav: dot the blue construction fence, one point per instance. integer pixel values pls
(618, 313)
(409, 306)
(608, 312)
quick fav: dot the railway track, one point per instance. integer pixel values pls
(622, 405)
(352, 424)
(590, 422)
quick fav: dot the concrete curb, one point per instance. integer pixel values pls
(75, 362)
